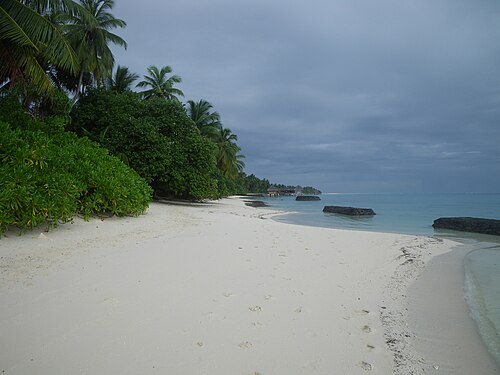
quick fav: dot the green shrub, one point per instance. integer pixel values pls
(12, 112)
(50, 176)
(155, 137)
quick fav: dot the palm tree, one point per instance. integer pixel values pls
(228, 158)
(122, 80)
(88, 28)
(50, 8)
(206, 121)
(29, 42)
(159, 85)
(240, 164)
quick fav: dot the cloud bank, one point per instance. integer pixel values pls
(345, 95)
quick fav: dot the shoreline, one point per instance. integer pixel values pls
(416, 345)
(438, 292)
(235, 287)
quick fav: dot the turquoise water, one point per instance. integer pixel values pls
(414, 214)
(395, 213)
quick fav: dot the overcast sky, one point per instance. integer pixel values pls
(344, 95)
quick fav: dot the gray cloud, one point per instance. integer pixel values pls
(356, 95)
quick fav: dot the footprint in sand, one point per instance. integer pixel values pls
(366, 366)
(370, 348)
(111, 300)
(245, 345)
(257, 324)
(362, 312)
(267, 297)
(255, 308)
(227, 295)
(366, 329)
(298, 310)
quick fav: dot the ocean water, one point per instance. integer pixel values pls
(395, 213)
(414, 214)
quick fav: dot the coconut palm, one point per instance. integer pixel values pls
(122, 80)
(159, 86)
(240, 164)
(29, 43)
(50, 8)
(88, 29)
(206, 120)
(228, 158)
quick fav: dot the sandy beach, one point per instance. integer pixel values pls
(219, 288)
(449, 342)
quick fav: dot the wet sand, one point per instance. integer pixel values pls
(446, 336)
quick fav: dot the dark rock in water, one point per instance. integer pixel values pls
(353, 211)
(307, 198)
(256, 204)
(469, 224)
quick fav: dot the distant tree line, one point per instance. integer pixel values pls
(305, 190)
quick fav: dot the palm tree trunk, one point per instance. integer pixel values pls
(78, 88)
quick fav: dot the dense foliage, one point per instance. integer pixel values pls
(254, 184)
(29, 43)
(56, 53)
(49, 175)
(58, 42)
(155, 137)
(305, 190)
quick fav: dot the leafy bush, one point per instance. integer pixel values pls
(155, 137)
(51, 175)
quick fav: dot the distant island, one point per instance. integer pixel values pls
(280, 190)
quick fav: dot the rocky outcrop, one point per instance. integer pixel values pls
(256, 204)
(469, 224)
(307, 198)
(353, 211)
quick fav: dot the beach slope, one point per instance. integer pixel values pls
(214, 288)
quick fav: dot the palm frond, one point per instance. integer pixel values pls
(25, 36)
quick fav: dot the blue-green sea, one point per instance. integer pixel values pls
(395, 213)
(414, 214)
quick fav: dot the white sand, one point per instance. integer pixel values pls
(207, 289)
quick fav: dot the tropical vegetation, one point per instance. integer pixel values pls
(155, 137)
(30, 44)
(122, 80)
(75, 137)
(48, 175)
(159, 86)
